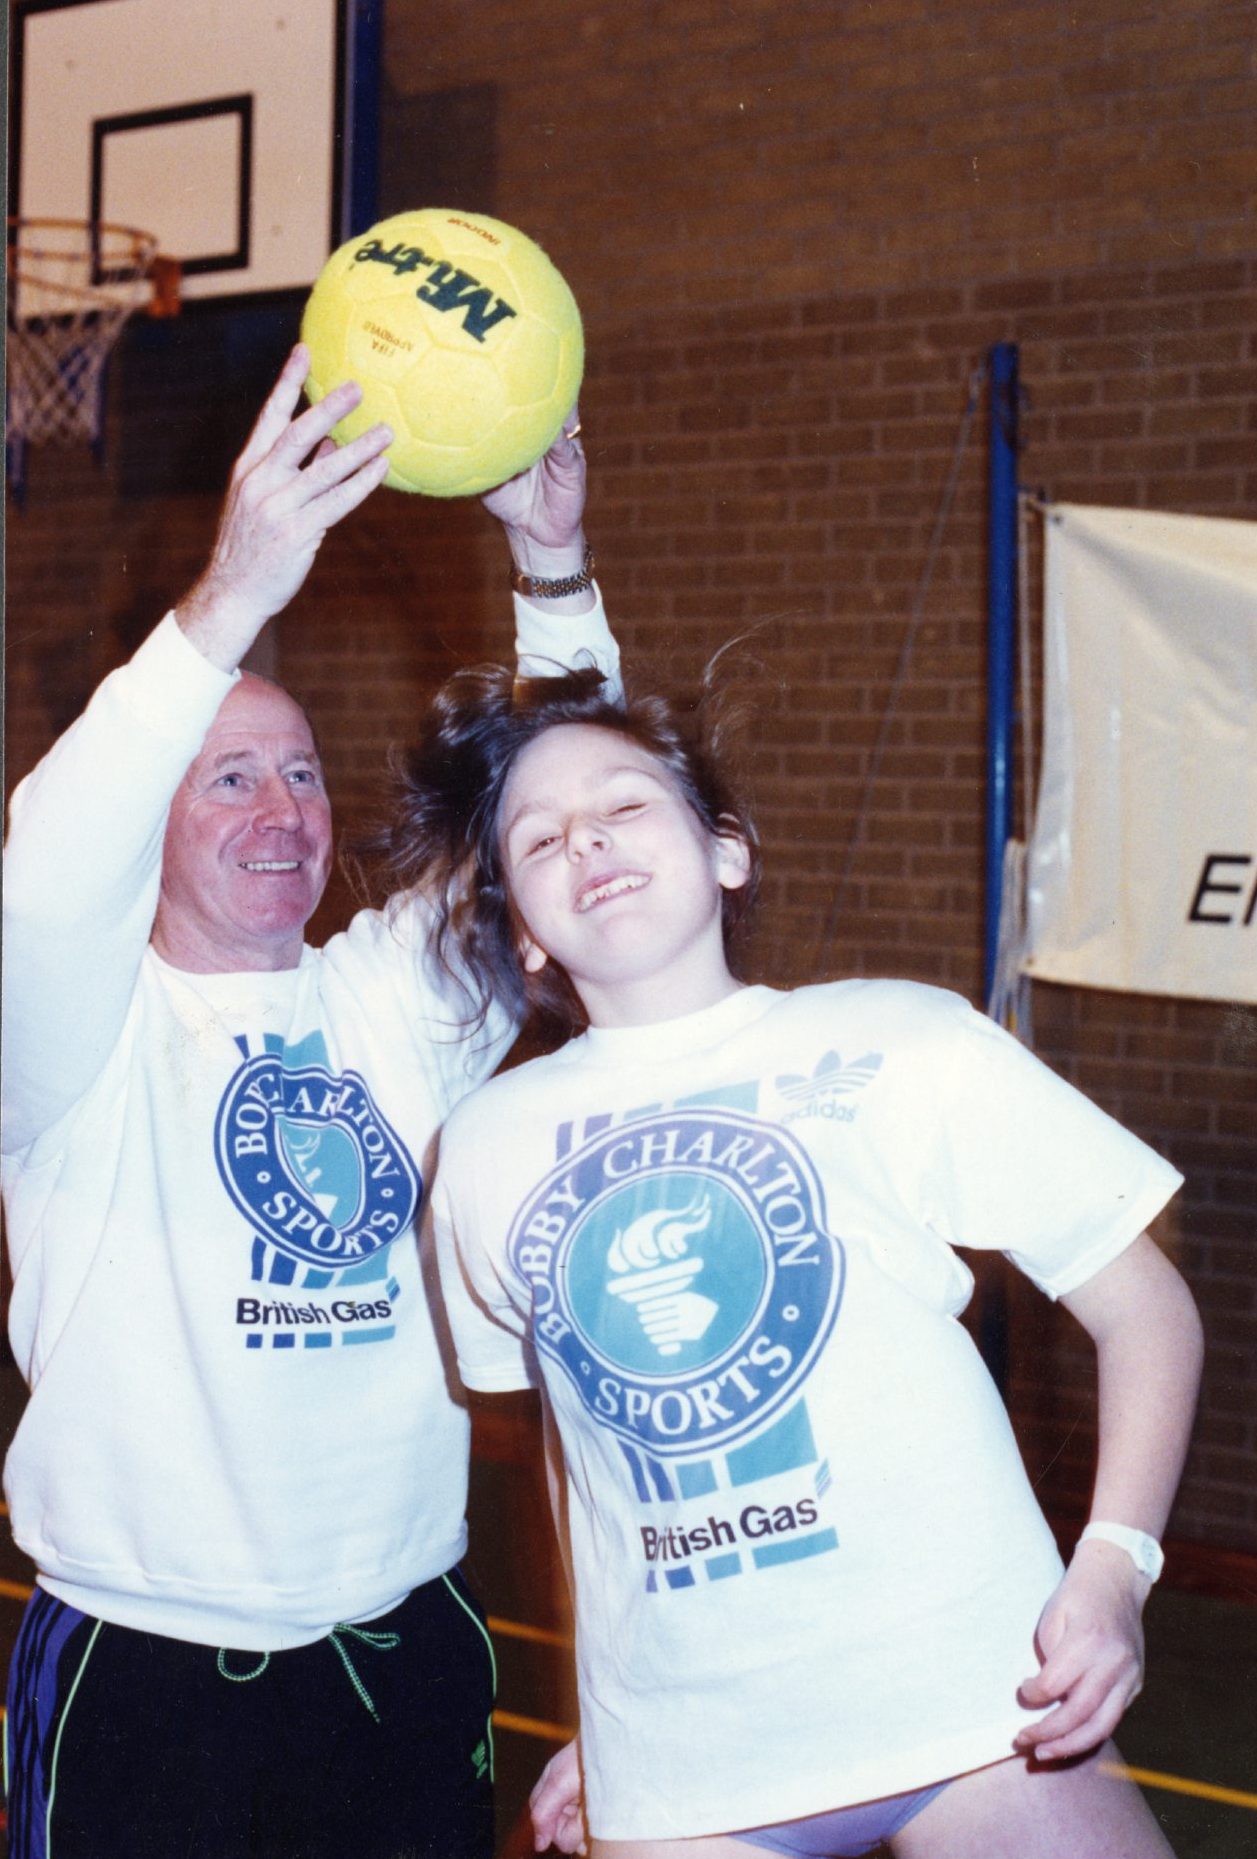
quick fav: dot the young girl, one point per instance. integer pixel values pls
(817, 1605)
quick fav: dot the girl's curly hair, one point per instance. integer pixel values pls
(442, 833)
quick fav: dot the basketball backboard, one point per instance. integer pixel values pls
(240, 132)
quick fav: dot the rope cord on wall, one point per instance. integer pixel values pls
(977, 380)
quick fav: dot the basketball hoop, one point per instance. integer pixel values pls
(72, 286)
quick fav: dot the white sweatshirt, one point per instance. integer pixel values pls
(242, 1427)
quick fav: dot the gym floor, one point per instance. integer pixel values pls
(1191, 1738)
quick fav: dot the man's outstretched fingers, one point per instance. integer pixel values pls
(330, 466)
(302, 435)
(277, 410)
(347, 493)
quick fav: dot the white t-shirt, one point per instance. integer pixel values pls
(808, 1564)
(244, 1424)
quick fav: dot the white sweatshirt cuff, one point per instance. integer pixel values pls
(171, 688)
(549, 643)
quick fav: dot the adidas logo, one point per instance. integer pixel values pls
(818, 1095)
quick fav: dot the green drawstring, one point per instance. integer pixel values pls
(241, 1678)
(383, 1642)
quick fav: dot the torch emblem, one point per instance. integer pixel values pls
(655, 1268)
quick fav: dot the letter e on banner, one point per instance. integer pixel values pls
(1143, 858)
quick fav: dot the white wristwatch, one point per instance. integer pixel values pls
(1144, 1550)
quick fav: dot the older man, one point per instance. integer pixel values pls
(241, 1474)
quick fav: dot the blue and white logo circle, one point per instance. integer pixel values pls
(312, 1164)
(682, 1275)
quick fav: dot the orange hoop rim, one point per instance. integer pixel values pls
(129, 260)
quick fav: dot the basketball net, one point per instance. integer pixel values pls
(72, 286)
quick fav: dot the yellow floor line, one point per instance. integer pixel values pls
(16, 1590)
(518, 1630)
(533, 1726)
(1178, 1784)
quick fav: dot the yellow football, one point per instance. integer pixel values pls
(463, 337)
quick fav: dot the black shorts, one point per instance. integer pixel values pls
(374, 1743)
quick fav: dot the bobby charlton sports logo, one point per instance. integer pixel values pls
(682, 1275)
(311, 1163)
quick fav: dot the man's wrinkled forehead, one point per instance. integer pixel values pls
(260, 721)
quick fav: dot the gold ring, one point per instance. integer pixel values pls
(575, 432)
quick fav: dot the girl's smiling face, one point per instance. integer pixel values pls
(614, 877)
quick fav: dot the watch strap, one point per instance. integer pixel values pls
(1144, 1550)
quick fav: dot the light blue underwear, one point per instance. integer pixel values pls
(846, 1831)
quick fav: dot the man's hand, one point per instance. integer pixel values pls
(290, 485)
(1091, 1644)
(542, 509)
(558, 1817)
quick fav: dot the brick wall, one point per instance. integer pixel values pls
(784, 464)
(680, 151)
(794, 231)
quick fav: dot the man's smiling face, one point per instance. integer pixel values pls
(248, 841)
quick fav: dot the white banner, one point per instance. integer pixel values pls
(1143, 860)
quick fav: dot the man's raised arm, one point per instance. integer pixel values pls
(84, 851)
(277, 512)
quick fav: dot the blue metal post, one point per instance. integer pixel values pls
(992, 1309)
(361, 147)
(1001, 634)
